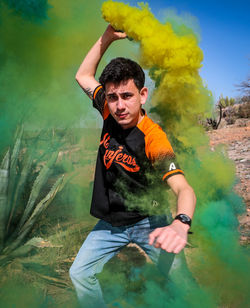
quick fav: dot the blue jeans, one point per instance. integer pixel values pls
(104, 242)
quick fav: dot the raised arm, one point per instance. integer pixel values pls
(85, 75)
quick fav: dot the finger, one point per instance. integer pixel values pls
(162, 238)
(179, 245)
(117, 34)
(178, 248)
(121, 35)
(167, 235)
(169, 244)
(153, 235)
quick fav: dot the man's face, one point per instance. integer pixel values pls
(124, 102)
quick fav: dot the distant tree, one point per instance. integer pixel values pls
(225, 101)
(244, 87)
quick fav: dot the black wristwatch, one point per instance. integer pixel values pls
(184, 219)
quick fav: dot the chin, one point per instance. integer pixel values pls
(123, 123)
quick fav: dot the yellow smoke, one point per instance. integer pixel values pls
(180, 97)
(176, 61)
(182, 101)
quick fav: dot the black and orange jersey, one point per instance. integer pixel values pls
(131, 164)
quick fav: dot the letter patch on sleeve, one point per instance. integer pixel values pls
(172, 168)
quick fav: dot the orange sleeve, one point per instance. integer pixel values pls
(160, 153)
(99, 101)
(106, 112)
(157, 146)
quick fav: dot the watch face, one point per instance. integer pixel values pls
(185, 218)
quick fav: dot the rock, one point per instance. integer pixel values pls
(241, 122)
(223, 123)
(237, 111)
(230, 120)
(244, 110)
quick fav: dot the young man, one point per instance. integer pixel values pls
(134, 157)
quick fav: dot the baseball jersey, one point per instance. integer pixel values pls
(131, 166)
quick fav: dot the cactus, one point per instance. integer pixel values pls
(29, 223)
(12, 183)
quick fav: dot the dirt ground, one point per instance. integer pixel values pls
(236, 138)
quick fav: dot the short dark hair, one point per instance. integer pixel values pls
(122, 69)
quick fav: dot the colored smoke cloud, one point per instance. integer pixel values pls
(41, 48)
(42, 45)
(180, 100)
(35, 10)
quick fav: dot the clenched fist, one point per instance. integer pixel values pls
(172, 238)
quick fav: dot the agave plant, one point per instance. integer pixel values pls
(15, 227)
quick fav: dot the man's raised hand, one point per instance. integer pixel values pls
(85, 75)
(114, 34)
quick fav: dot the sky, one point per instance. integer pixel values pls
(224, 30)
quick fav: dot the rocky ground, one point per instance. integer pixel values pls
(236, 138)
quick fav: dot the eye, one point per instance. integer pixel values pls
(127, 95)
(111, 97)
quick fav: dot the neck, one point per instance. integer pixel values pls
(141, 116)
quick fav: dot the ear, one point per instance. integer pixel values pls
(144, 95)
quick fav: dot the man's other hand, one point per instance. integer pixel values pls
(172, 238)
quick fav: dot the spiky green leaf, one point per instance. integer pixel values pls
(4, 181)
(36, 188)
(39, 208)
(20, 186)
(16, 149)
(13, 168)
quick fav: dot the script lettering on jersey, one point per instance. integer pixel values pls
(128, 162)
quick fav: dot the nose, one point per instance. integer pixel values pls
(120, 105)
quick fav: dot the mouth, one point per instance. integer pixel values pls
(121, 115)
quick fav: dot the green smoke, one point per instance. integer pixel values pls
(173, 57)
(42, 45)
(35, 10)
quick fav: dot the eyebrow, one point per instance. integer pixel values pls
(112, 93)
